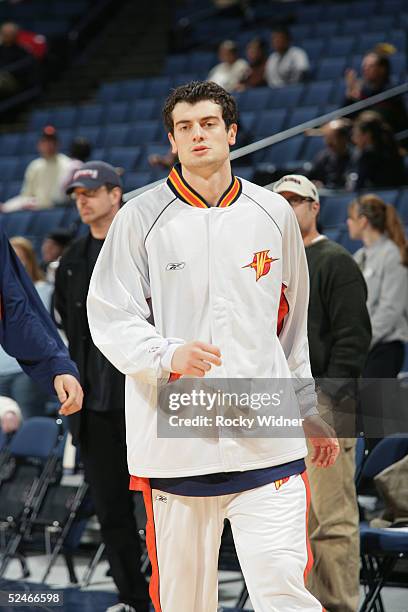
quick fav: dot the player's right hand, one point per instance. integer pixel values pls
(195, 358)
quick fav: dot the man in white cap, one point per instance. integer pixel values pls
(339, 335)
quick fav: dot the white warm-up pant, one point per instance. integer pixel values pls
(269, 526)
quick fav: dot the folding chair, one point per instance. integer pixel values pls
(24, 481)
(381, 548)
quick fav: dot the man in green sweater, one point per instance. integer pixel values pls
(339, 337)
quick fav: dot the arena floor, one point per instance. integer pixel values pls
(100, 594)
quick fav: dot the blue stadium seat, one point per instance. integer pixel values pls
(397, 38)
(392, 7)
(312, 146)
(109, 92)
(8, 167)
(43, 221)
(65, 137)
(247, 120)
(186, 77)
(333, 211)
(269, 122)
(353, 26)
(332, 233)
(318, 93)
(285, 152)
(99, 153)
(11, 189)
(380, 22)
(16, 224)
(245, 172)
(201, 62)
(398, 64)
(331, 68)
(402, 205)
(336, 12)
(256, 99)
(124, 157)
(175, 64)
(10, 144)
(114, 135)
(158, 87)
(39, 119)
(23, 161)
(132, 89)
(134, 180)
(286, 97)
(325, 28)
(90, 132)
(367, 40)
(362, 9)
(142, 133)
(142, 110)
(299, 31)
(311, 14)
(63, 117)
(339, 46)
(351, 245)
(314, 48)
(301, 115)
(90, 114)
(115, 112)
(390, 196)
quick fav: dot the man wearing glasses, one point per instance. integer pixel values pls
(339, 335)
(96, 189)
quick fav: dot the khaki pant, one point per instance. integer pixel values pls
(334, 530)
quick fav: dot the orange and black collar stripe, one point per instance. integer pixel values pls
(182, 190)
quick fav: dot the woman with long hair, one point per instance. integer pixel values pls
(384, 263)
(14, 383)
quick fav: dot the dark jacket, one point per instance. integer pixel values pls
(26, 329)
(71, 290)
(339, 328)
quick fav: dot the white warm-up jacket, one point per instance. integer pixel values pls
(230, 275)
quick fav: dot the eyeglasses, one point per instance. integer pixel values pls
(87, 193)
(297, 200)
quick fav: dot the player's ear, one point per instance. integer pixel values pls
(173, 143)
(232, 134)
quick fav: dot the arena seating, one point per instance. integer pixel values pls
(49, 18)
(123, 123)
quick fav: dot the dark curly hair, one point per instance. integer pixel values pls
(196, 91)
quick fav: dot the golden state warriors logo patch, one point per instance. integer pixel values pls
(261, 263)
(280, 482)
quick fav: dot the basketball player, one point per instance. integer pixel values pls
(223, 264)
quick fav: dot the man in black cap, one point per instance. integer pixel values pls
(100, 432)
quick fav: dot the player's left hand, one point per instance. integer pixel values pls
(69, 393)
(323, 438)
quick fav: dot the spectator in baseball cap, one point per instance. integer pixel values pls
(93, 175)
(42, 178)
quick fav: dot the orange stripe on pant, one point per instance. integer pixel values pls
(143, 485)
(309, 563)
